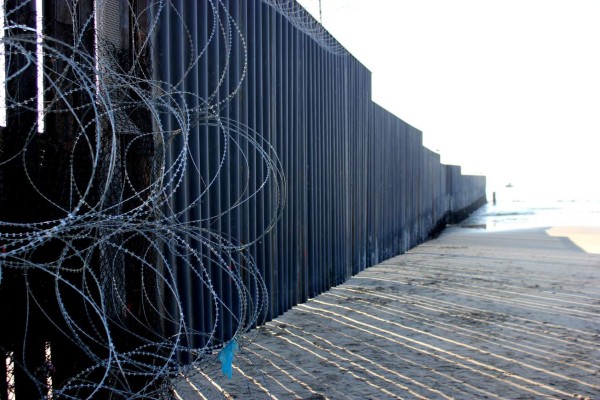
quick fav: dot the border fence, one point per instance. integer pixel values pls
(174, 173)
(360, 185)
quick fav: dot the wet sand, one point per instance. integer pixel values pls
(473, 314)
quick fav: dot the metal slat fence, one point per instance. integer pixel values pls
(166, 183)
(360, 185)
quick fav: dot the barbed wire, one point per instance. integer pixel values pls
(102, 164)
(306, 23)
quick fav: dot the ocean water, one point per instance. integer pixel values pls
(534, 213)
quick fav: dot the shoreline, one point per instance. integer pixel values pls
(470, 314)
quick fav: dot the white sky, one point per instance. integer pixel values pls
(506, 88)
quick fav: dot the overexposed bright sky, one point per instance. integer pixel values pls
(505, 88)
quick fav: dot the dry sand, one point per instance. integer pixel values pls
(470, 315)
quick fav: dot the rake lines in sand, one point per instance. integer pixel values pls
(467, 362)
(552, 356)
(560, 284)
(449, 281)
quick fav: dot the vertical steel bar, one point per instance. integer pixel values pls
(361, 186)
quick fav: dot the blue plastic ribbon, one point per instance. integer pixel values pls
(226, 357)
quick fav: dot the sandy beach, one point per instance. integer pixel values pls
(472, 314)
